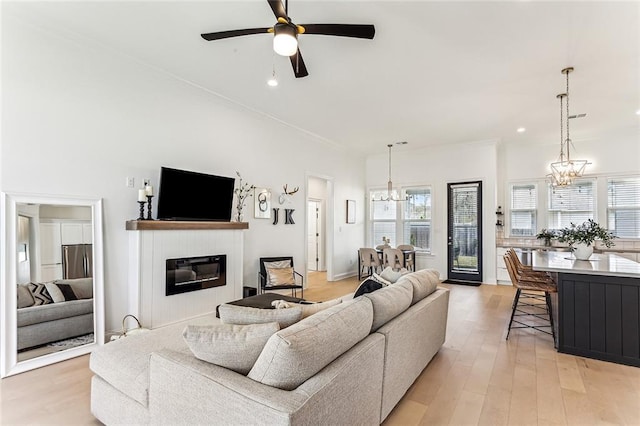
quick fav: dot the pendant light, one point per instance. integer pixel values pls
(391, 193)
(565, 170)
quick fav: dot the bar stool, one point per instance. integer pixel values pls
(526, 303)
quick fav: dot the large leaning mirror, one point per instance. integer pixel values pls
(52, 282)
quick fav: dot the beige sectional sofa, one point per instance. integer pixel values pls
(348, 364)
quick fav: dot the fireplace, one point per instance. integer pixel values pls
(195, 273)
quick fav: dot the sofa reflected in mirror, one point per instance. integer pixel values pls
(52, 288)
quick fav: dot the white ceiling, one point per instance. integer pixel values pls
(436, 72)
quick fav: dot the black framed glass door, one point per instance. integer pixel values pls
(464, 229)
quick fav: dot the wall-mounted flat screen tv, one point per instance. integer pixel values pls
(186, 195)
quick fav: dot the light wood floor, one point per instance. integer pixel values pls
(477, 378)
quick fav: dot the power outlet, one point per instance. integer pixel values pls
(131, 182)
(146, 182)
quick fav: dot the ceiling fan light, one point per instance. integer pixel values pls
(285, 39)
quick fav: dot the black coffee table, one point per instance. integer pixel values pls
(261, 301)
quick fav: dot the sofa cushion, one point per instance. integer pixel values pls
(235, 347)
(124, 363)
(242, 315)
(53, 311)
(424, 283)
(367, 286)
(25, 299)
(389, 302)
(293, 355)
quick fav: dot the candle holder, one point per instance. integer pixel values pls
(141, 210)
(149, 216)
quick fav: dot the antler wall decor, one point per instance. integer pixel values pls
(286, 194)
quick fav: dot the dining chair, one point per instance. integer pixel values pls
(393, 257)
(409, 258)
(369, 261)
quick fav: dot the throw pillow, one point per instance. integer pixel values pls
(40, 294)
(309, 309)
(236, 347)
(81, 287)
(54, 292)
(68, 292)
(381, 280)
(392, 276)
(242, 315)
(367, 286)
(25, 299)
(280, 276)
(278, 264)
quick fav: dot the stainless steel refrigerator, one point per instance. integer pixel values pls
(77, 261)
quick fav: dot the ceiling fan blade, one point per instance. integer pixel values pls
(278, 8)
(299, 68)
(234, 33)
(341, 30)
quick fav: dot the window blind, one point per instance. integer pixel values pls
(571, 204)
(524, 200)
(417, 218)
(623, 207)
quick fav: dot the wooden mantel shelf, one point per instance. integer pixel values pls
(162, 225)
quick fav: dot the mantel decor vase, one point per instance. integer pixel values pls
(582, 251)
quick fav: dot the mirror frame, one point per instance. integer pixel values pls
(9, 364)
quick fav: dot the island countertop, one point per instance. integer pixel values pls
(606, 264)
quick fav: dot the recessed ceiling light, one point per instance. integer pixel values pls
(638, 112)
(521, 130)
(272, 82)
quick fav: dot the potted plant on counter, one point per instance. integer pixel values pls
(582, 237)
(547, 235)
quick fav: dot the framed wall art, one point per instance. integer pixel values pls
(262, 202)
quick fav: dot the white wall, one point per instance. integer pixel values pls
(78, 119)
(616, 153)
(437, 166)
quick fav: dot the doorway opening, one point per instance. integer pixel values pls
(319, 195)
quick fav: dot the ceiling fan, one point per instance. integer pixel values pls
(285, 34)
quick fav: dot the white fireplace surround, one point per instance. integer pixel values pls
(151, 243)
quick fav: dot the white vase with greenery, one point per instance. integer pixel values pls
(582, 238)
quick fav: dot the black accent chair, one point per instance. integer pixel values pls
(263, 281)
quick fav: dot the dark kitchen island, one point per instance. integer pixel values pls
(598, 307)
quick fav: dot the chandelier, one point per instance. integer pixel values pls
(565, 170)
(391, 193)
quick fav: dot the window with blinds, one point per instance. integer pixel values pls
(571, 204)
(623, 207)
(416, 224)
(524, 204)
(407, 222)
